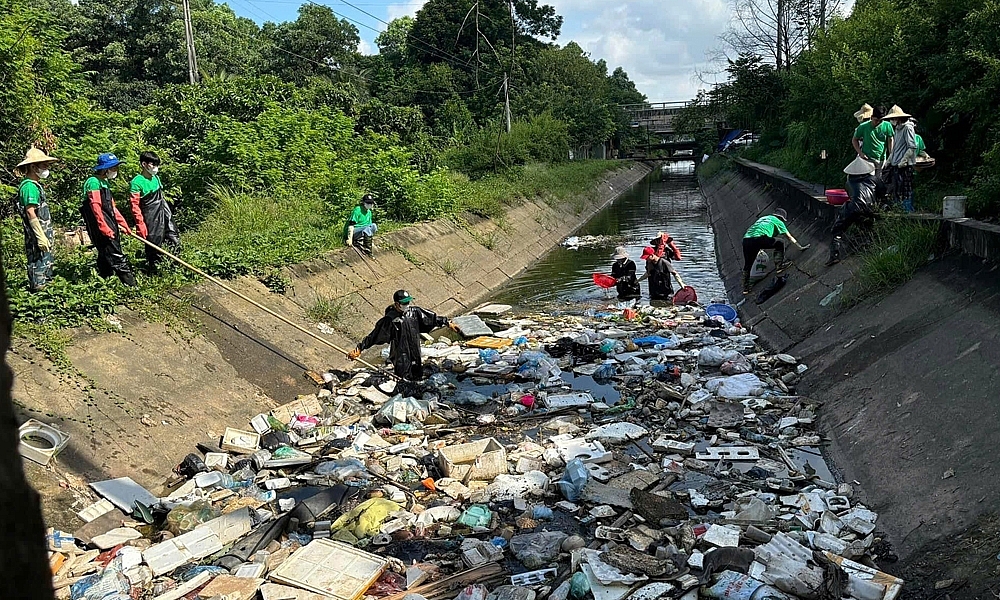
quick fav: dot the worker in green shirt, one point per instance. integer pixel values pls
(154, 220)
(359, 228)
(873, 140)
(34, 210)
(104, 222)
(763, 235)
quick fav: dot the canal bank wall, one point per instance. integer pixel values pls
(908, 381)
(136, 400)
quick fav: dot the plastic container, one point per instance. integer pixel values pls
(953, 207)
(721, 310)
(837, 197)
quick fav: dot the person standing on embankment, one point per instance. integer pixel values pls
(903, 158)
(154, 220)
(34, 210)
(873, 140)
(103, 221)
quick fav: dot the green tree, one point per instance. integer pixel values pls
(317, 43)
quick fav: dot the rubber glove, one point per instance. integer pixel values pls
(350, 235)
(354, 354)
(40, 237)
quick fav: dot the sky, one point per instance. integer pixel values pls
(661, 44)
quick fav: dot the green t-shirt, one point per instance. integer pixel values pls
(94, 184)
(766, 226)
(873, 139)
(29, 193)
(359, 218)
(142, 186)
(920, 144)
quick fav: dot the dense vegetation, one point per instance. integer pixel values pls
(289, 125)
(937, 59)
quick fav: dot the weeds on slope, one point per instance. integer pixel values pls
(899, 247)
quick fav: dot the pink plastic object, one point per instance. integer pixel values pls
(837, 197)
(528, 400)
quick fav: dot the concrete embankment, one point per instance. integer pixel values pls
(909, 380)
(136, 401)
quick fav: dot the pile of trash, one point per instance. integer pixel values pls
(504, 477)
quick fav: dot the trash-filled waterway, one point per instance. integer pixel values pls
(561, 448)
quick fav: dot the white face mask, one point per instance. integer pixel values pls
(112, 174)
(154, 170)
(43, 174)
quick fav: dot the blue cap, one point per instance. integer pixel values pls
(106, 161)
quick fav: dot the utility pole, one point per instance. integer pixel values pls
(506, 101)
(189, 39)
(822, 15)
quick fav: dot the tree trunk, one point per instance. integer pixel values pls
(780, 44)
(24, 565)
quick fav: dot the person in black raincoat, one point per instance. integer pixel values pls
(104, 222)
(401, 328)
(623, 270)
(862, 188)
(658, 271)
(154, 220)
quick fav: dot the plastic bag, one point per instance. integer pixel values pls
(531, 357)
(488, 356)
(402, 410)
(736, 366)
(110, 585)
(573, 480)
(471, 397)
(736, 386)
(605, 371)
(537, 549)
(366, 518)
(714, 356)
(302, 424)
(185, 518)
(342, 469)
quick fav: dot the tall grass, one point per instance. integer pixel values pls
(899, 247)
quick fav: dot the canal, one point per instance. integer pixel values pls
(667, 200)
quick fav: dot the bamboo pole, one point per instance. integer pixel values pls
(281, 318)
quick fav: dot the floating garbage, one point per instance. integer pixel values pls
(600, 455)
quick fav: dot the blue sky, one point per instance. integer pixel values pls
(663, 44)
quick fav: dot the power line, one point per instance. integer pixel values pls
(350, 74)
(409, 35)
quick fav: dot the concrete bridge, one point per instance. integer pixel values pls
(657, 120)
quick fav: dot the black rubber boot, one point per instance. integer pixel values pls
(366, 244)
(746, 282)
(834, 252)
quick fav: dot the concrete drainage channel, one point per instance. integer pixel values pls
(506, 476)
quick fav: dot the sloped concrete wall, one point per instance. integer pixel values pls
(137, 401)
(908, 381)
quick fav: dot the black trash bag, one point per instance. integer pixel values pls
(776, 284)
(191, 466)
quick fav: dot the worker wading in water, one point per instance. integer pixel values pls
(401, 328)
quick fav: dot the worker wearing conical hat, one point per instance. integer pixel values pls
(34, 210)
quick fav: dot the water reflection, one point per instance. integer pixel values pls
(666, 200)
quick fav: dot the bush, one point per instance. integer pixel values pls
(539, 139)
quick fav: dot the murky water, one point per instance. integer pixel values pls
(666, 200)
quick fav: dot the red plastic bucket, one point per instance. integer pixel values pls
(837, 197)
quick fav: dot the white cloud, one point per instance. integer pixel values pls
(662, 45)
(367, 48)
(404, 9)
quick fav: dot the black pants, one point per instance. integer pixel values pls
(751, 246)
